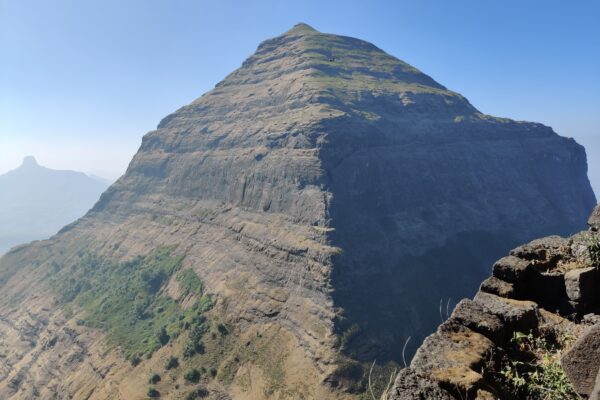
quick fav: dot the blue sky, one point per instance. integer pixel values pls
(82, 81)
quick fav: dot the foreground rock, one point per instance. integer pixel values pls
(530, 311)
(582, 362)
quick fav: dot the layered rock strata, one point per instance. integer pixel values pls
(329, 197)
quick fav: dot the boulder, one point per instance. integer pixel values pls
(453, 358)
(580, 248)
(582, 285)
(594, 220)
(591, 319)
(498, 287)
(581, 363)
(512, 269)
(544, 252)
(517, 315)
(410, 386)
(473, 316)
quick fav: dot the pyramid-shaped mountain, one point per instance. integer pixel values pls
(320, 206)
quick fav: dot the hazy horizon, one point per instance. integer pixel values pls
(80, 86)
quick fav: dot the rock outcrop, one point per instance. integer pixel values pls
(534, 324)
(329, 197)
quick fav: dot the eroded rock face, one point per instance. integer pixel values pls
(324, 188)
(582, 362)
(596, 391)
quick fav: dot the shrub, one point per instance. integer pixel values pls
(153, 392)
(213, 372)
(189, 350)
(135, 360)
(199, 393)
(222, 329)
(154, 379)
(162, 336)
(172, 363)
(594, 250)
(192, 375)
(542, 377)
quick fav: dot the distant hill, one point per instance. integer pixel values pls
(35, 202)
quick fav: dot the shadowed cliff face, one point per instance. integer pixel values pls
(323, 188)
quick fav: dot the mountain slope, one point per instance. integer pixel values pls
(326, 194)
(35, 202)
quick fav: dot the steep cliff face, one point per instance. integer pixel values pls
(531, 332)
(326, 194)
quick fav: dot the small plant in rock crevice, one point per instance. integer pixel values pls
(536, 373)
(593, 248)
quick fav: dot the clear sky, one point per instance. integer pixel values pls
(82, 81)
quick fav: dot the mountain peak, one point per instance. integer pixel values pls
(301, 29)
(30, 161)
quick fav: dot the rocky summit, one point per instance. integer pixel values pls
(319, 209)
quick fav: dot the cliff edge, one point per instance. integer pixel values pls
(531, 332)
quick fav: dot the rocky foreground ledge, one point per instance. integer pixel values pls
(531, 332)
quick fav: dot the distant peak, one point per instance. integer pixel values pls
(29, 161)
(300, 29)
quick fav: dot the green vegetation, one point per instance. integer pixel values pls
(380, 381)
(126, 300)
(189, 283)
(222, 328)
(594, 250)
(172, 363)
(195, 345)
(537, 373)
(198, 393)
(153, 393)
(154, 379)
(192, 375)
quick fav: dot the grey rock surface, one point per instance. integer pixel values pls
(515, 314)
(546, 251)
(498, 287)
(596, 391)
(512, 269)
(582, 362)
(594, 219)
(473, 316)
(582, 285)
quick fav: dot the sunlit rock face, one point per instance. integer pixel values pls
(330, 197)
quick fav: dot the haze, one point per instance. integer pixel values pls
(81, 82)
